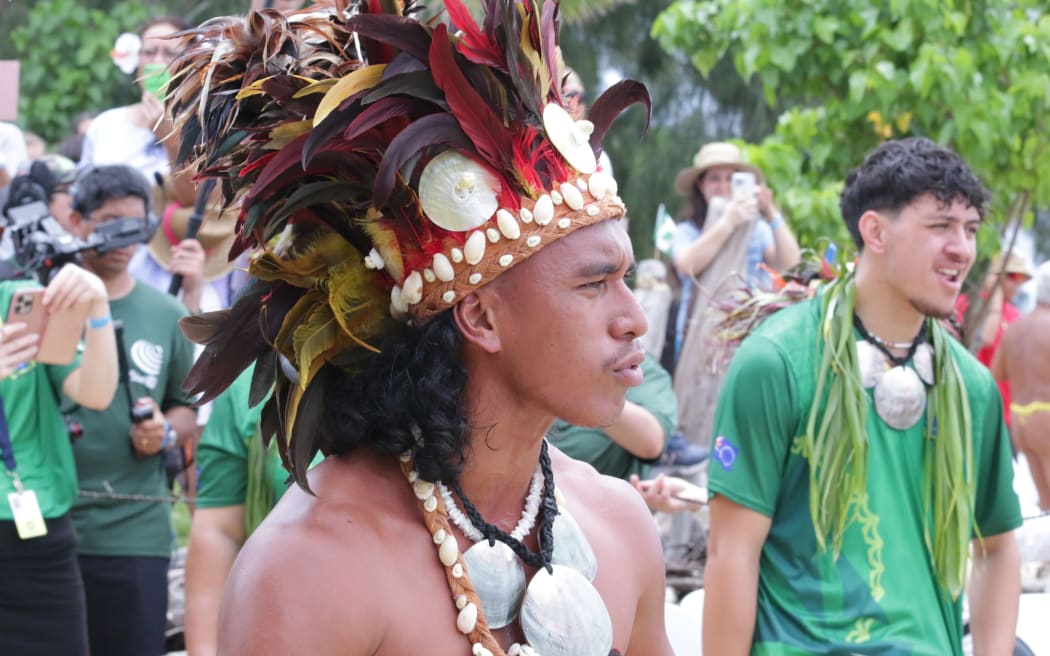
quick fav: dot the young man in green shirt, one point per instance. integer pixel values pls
(860, 451)
(42, 606)
(125, 543)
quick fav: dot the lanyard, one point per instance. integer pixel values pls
(5, 441)
(7, 450)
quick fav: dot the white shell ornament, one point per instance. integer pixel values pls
(543, 210)
(572, 139)
(457, 193)
(563, 615)
(573, 197)
(412, 289)
(474, 249)
(871, 362)
(443, 268)
(900, 398)
(498, 578)
(571, 547)
(923, 361)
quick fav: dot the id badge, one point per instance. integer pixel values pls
(26, 511)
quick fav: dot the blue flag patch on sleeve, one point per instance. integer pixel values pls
(725, 452)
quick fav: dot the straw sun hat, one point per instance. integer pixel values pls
(216, 235)
(711, 155)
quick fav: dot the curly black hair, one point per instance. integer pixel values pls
(409, 398)
(897, 172)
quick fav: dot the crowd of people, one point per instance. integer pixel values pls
(407, 368)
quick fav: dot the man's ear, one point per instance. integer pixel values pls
(475, 319)
(872, 227)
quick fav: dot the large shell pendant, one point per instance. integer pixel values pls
(900, 397)
(871, 362)
(457, 193)
(571, 138)
(923, 362)
(571, 547)
(499, 580)
(563, 615)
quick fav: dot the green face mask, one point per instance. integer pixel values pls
(155, 78)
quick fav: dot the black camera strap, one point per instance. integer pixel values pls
(122, 363)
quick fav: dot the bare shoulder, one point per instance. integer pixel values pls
(613, 498)
(311, 577)
(623, 535)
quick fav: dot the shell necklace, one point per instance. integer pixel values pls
(900, 391)
(560, 611)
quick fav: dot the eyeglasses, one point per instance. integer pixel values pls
(1014, 276)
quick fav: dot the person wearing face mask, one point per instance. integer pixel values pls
(132, 135)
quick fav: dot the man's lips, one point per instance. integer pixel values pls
(629, 368)
(951, 275)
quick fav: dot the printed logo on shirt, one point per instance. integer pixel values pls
(725, 452)
(148, 358)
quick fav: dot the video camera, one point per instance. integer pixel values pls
(41, 246)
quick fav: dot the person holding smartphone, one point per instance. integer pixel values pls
(701, 237)
(731, 229)
(42, 608)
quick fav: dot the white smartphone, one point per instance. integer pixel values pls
(743, 184)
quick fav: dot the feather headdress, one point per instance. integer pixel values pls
(383, 169)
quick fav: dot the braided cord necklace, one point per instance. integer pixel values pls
(885, 345)
(545, 536)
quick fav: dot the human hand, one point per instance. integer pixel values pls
(740, 211)
(154, 116)
(16, 349)
(147, 436)
(764, 198)
(73, 287)
(187, 260)
(669, 494)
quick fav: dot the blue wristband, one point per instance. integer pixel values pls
(170, 436)
(777, 221)
(101, 322)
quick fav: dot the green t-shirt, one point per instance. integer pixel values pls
(593, 446)
(158, 357)
(223, 450)
(872, 600)
(43, 455)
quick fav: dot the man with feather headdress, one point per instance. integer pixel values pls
(439, 273)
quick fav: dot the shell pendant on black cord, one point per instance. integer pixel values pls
(900, 391)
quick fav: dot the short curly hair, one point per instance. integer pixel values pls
(897, 172)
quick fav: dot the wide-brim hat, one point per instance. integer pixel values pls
(713, 154)
(1015, 263)
(216, 235)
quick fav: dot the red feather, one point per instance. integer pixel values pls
(472, 113)
(474, 44)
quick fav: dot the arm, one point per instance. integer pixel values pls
(649, 632)
(215, 539)
(994, 591)
(669, 494)
(784, 253)
(694, 258)
(638, 431)
(734, 549)
(998, 366)
(92, 384)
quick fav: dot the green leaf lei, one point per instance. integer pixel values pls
(836, 444)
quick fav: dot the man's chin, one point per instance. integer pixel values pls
(934, 310)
